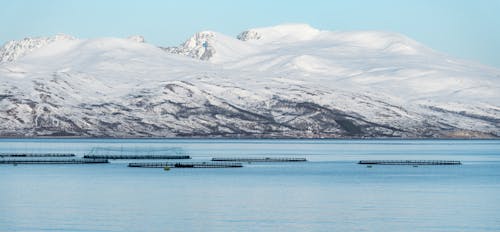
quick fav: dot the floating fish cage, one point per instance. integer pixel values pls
(409, 162)
(51, 160)
(186, 165)
(7, 155)
(261, 159)
(137, 153)
(114, 157)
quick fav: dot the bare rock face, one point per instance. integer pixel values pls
(199, 46)
(15, 49)
(249, 35)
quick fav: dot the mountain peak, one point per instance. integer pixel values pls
(137, 38)
(283, 32)
(200, 39)
(199, 46)
(14, 49)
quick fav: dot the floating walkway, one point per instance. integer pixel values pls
(3, 155)
(53, 161)
(409, 162)
(264, 159)
(186, 165)
(114, 157)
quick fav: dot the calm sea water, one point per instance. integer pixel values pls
(329, 193)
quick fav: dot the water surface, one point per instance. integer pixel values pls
(328, 193)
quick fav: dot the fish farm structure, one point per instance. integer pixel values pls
(409, 162)
(114, 157)
(52, 161)
(136, 153)
(264, 159)
(186, 165)
(4, 155)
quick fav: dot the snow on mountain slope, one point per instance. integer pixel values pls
(280, 34)
(209, 45)
(377, 61)
(283, 81)
(15, 49)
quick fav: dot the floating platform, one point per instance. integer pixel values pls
(53, 161)
(264, 159)
(409, 162)
(114, 157)
(186, 165)
(3, 155)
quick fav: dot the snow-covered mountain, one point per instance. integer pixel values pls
(15, 49)
(283, 81)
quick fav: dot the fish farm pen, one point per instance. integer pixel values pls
(3, 155)
(186, 165)
(114, 157)
(265, 159)
(53, 161)
(137, 153)
(409, 162)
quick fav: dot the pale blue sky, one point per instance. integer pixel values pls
(468, 29)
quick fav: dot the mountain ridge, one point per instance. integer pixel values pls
(281, 81)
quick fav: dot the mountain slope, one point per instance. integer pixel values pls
(282, 81)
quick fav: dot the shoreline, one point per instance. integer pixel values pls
(243, 138)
